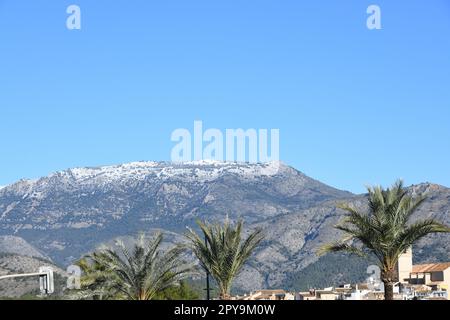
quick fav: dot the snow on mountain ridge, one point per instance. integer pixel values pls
(201, 169)
(204, 170)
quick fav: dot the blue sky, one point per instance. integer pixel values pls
(354, 106)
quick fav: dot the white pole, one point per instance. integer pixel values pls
(45, 274)
(12, 276)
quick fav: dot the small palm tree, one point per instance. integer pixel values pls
(137, 275)
(222, 252)
(95, 282)
(386, 231)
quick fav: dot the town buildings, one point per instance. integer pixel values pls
(415, 282)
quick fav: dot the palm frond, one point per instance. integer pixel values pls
(137, 274)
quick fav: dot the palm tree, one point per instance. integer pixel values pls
(224, 253)
(385, 231)
(137, 275)
(96, 281)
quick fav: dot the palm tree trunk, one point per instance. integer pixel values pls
(224, 295)
(388, 290)
(141, 295)
(388, 277)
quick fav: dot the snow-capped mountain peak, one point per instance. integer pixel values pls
(118, 176)
(200, 170)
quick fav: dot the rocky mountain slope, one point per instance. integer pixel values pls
(71, 212)
(16, 245)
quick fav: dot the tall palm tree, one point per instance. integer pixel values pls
(137, 275)
(224, 252)
(385, 231)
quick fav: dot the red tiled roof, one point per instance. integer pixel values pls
(431, 267)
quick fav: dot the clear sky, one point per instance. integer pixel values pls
(354, 106)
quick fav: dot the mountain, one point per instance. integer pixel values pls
(71, 212)
(16, 245)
